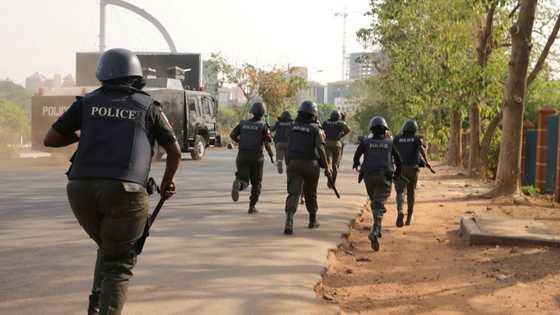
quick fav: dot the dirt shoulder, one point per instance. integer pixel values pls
(426, 268)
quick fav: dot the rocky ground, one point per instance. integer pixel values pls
(427, 269)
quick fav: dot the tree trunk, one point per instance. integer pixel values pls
(454, 155)
(509, 167)
(484, 50)
(474, 139)
(486, 142)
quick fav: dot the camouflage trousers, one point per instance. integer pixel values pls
(303, 176)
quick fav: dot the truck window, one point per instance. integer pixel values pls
(194, 105)
(207, 106)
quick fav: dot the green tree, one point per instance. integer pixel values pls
(14, 124)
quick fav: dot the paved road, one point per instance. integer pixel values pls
(206, 254)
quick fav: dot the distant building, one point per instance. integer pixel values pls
(68, 81)
(313, 92)
(346, 104)
(338, 89)
(37, 81)
(34, 81)
(362, 65)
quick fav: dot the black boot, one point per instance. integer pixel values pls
(93, 307)
(313, 223)
(374, 242)
(252, 210)
(400, 219)
(289, 226)
(409, 217)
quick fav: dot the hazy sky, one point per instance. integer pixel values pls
(43, 36)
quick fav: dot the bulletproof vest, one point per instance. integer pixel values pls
(114, 141)
(378, 155)
(282, 131)
(332, 129)
(409, 149)
(251, 135)
(301, 144)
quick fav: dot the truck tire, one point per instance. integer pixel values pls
(199, 148)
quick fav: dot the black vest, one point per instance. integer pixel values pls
(114, 141)
(251, 134)
(301, 142)
(282, 131)
(378, 155)
(332, 129)
(409, 149)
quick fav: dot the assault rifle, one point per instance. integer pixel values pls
(332, 186)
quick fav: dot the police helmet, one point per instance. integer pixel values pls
(308, 107)
(410, 126)
(286, 116)
(335, 115)
(377, 122)
(118, 63)
(258, 109)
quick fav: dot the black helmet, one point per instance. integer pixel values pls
(286, 116)
(258, 109)
(410, 126)
(308, 107)
(118, 63)
(335, 115)
(377, 122)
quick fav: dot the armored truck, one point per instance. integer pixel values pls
(192, 114)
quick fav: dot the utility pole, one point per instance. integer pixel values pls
(344, 16)
(102, 22)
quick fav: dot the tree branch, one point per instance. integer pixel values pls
(514, 10)
(544, 54)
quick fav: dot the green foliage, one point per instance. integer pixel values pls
(542, 93)
(325, 111)
(15, 93)
(14, 124)
(277, 87)
(228, 118)
(529, 190)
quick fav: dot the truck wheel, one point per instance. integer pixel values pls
(199, 148)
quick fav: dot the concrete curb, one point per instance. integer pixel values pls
(475, 234)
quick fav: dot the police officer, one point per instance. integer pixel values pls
(252, 135)
(335, 129)
(118, 124)
(306, 151)
(281, 129)
(413, 155)
(380, 157)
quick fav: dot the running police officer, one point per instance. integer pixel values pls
(377, 169)
(281, 129)
(306, 148)
(413, 155)
(118, 124)
(252, 135)
(335, 129)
